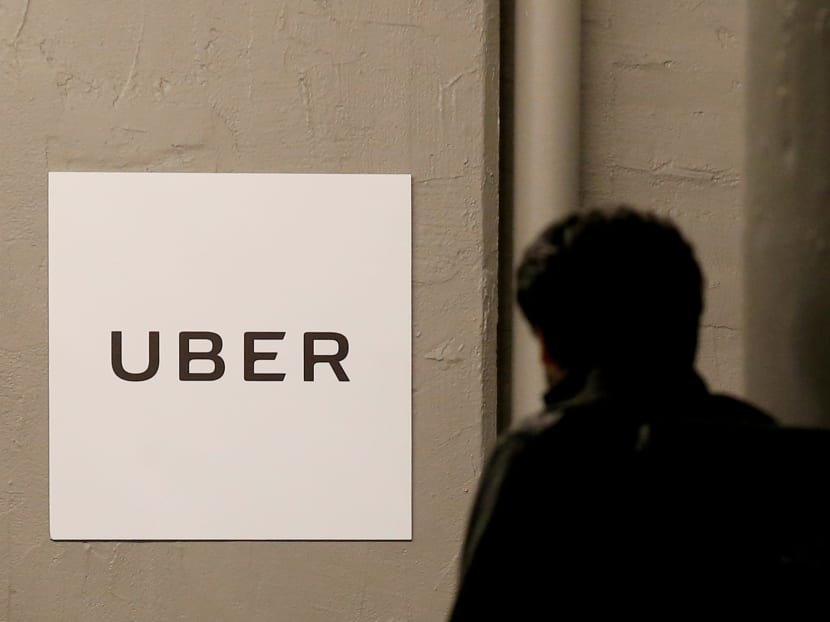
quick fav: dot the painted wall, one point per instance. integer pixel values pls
(662, 128)
(291, 86)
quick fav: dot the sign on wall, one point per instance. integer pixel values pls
(229, 356)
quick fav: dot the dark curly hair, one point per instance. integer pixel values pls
(613, 287)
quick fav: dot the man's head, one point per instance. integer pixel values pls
(612, 288)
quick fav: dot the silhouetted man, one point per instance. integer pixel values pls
(636, 487)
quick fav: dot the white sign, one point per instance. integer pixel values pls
(229, 356)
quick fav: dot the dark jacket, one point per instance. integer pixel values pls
(629, 491)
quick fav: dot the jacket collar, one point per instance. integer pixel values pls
(653, 385)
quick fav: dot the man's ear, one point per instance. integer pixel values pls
(553, 370)
(546, 359)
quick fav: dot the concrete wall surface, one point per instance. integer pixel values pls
(405, 86)
(663, 129)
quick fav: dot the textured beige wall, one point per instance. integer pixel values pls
(291, 86)
(663, 97)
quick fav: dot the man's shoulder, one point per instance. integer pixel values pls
(546, 426)
(536, 425)
(738, 411)
(559, 433)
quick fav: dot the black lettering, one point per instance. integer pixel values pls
(118, 361)
(185, 356)
(310, 359)
(252, 356)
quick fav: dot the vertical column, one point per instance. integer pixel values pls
(542, 167)
(788, 205)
